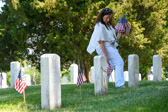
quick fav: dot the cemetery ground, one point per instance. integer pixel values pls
(148, 97)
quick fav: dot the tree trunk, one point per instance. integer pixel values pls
(86, 69)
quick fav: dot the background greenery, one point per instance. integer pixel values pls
(64, 27)
(148, 97)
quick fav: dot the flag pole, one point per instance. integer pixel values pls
(24, 96)
(80, 90)
(1, 78)
(78, 70)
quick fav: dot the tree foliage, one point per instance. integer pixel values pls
(64, 27)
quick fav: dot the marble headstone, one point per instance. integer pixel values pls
(64, 80)
(3, 80)
(50, 81)
(133, 70)
(100, 85)
(74, 73)
(27, 79)
(92, 74)
(157, 68)
(14, 68)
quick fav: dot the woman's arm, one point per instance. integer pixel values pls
(102, 46)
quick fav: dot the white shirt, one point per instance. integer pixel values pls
(101, 33)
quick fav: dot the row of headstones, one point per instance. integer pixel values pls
(50, 77)
(101, 86)
(14, 67)
(112, 77)
(73, 73)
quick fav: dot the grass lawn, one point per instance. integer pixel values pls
(148, 97)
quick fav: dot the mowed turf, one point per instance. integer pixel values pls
(148, 97)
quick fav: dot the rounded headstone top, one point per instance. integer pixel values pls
(126, 72)
(156, 56)
(74, 64)
(50, 55)
(15, 65)
(132, 55)
(14, 62)
(3, 73)
(99, 57)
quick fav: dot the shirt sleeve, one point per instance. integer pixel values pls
(100, 32)
(97, 35)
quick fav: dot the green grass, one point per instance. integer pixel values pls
(148, 97)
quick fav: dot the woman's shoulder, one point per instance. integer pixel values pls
(99, 25)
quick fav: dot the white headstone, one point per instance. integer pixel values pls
(126, 77)
(100, 85)
(112, 77)
(133, 70)
(3, 81)
(140, 77)
(50, 81)
(74, 73)
(157, 68)
(15, 68)
(64, 80)
(150, 77)
(151, 69)
(92, 74)
(27, 79)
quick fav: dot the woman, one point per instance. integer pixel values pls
(103, 40)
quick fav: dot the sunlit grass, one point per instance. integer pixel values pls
(148, 97)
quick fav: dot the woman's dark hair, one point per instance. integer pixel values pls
(103, 12)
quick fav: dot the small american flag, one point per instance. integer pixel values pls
(80, 78)
(34, 77)
(109, 70)
(123, 26)
(20, 85)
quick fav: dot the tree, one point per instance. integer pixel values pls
(11, 38)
